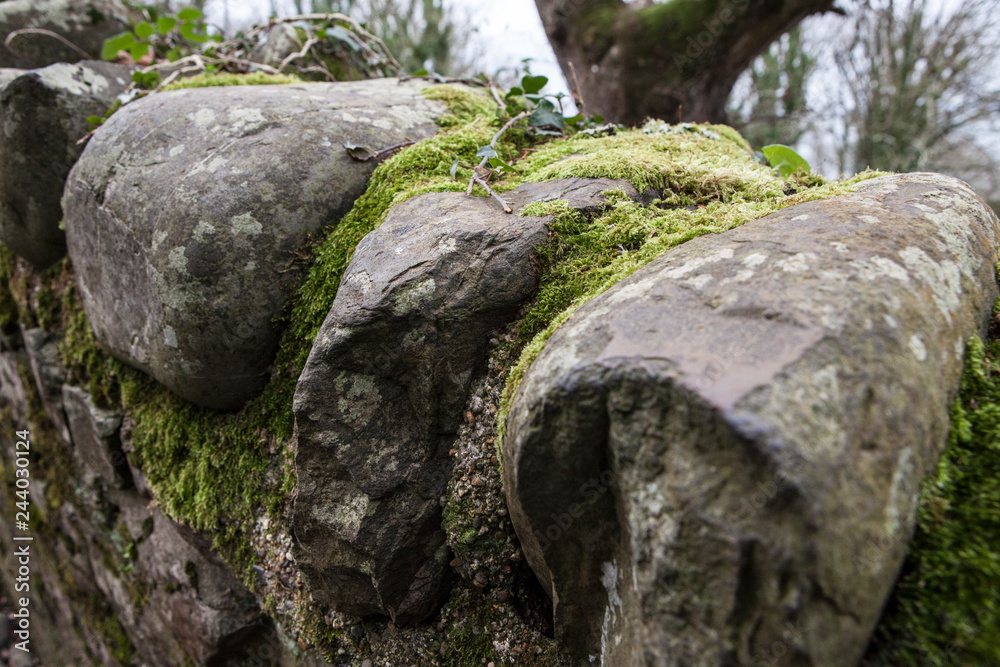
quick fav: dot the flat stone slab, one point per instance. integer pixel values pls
(718, 460)
(186, 209)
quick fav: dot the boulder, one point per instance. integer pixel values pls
(43, 114)
(84, 24)
(718, 460)
(380, 399)
(184, 214)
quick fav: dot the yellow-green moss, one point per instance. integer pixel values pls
(209, 80)
(945, 609)
(705, 185)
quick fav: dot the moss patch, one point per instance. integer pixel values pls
(945, 609)
(706, 181)
(209, 80)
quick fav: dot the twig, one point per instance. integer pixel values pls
(300, 54)
(379, 153)
(506, 206)
(315, 68)
(355, 26)
(493, 144)
(47, 33)
(577, 93)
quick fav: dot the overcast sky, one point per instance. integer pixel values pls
(502, 33)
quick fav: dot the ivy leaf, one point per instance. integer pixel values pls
(189, 14)
(500, 165)
(166, 25)
(546, 115)
(341, 35)
(113, 45)
(785, 160)
(486, 151)
(144, 30)
(533, 84)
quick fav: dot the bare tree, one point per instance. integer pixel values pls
(918, 79)
(664, 59)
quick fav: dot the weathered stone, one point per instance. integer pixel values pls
(718, 460)
(380, 398)
(13, 393)
(43, 114)
(46, 366)
(8, 74)
(184, 213)
(84, 24)
(96, 439)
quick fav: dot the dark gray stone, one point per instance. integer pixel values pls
(95, 434)
(84, 24)
(13, 393)
(43, 114)
(718, 461)
(380, 399)
(184, 213)
(46, 366)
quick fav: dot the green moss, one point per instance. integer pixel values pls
(209, 80)
(707, 185)
(945, 609)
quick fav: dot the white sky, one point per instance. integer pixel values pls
(502, 34)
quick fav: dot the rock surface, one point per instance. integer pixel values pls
(46, 366)
(94, 432)
(43, 114)
(85, 24)
(380, 400)
(718, 460)
(184, 213)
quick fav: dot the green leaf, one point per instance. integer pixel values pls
(146, 80)
(785, 160)
(113, 45)
(95, 121)
(515, 92)
(138, 50)
(533, 84)
(420, 72)
(189, 14)
(193, 34)
(500, 165)
(166, 25)
(144, 30)
(340, 34)
(486, 151)
(546, 115)
(174, 54)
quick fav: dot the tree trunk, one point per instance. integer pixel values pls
(672, 60)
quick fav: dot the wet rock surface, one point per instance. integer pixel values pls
(698, 457)
(43, 114)
(185, 211)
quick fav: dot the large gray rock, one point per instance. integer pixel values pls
(84, 24)
(43, 114)
(718, 461)
(380, 399)
(184, 213)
